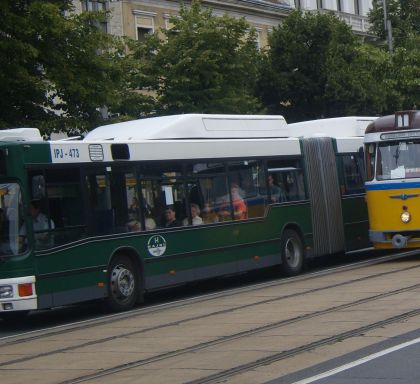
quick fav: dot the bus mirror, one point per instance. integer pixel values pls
(38, 187)
(371, 149)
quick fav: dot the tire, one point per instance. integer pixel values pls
(123, 284)
(291, 253)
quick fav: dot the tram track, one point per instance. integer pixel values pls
(154, 309)
(247, 333)
(170, 354)
(285, 354)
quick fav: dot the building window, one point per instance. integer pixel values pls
(329, 4)
(93, 5)
(347, 6)
(145, 24)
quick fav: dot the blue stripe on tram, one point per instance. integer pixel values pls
(384, 187)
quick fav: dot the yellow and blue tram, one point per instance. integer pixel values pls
(392, 147)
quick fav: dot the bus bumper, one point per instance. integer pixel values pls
(18, 294)
(394, 240)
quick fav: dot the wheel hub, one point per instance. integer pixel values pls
(292, 253)
(122, 282)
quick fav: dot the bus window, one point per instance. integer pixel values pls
(353, 174)
(285, 179)
(248, 175)
(64, 206)
(163, 189)
(207, 187)
(99, 192)
(11, 220)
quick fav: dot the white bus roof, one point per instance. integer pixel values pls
(193, 126)
(20, 134)
(335, 127)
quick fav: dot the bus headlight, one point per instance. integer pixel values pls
(6, 291)
(405, 217)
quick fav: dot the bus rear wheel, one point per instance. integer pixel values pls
(123, 284)
(291, 253)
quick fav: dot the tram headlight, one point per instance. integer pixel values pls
(405, 217)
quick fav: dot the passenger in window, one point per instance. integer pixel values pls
(133, 210)
(149, 223)
(208, 214)
(276, 192)
(195, 216)
(170, 218)
(240, 210)
(247, 189)
(40, 223)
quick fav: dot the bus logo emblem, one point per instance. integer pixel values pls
(156, 245)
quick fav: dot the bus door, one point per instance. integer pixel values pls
(324, 196)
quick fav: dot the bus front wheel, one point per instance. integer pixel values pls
(123, 284)
(291, 253)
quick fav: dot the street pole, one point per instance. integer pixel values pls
(388, 27)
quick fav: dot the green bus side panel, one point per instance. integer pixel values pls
(192, 253)
(356, 225)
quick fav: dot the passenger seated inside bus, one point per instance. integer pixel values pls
(195, 216)
(276, 192)
(240, 209)
(41, 225)
(134, 225)
(133, 210)
(208, 214)
(170, 218)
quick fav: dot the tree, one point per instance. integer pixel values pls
(204, 64)
(316, 67)
(404, 16)
(58, 68)
(406, 71)
(405, 21)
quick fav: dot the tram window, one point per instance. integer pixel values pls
(398, 160)
(370, 161)
(353, 179)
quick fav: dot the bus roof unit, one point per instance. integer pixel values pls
(20, 134)
(193, 126)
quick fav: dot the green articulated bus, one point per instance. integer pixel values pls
(153, 203)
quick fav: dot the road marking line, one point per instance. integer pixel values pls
(357, 362)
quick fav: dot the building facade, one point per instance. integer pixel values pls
(136, 18)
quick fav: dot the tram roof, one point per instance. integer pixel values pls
(404, 120)
(349, 126)
(193, 126)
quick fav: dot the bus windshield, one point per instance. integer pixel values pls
(11, 219)
(398, 160)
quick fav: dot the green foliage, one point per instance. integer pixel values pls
(204, 64)
(404, 16)
(56, 69)
(406, 64)
(316, 67)
(405, 61)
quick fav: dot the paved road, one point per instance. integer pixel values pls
(396, 361)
